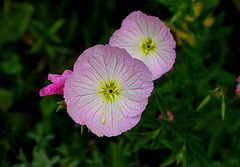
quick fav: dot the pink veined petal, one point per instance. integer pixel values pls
(136, 89)
(120, 66)
(85, 82)
(132, 107)
(79, 95)
(160, 62)
(139, 77)
(104, 64)
(91, 59)
(125, 38)
(149, 25)
(165, 40)
(136, 21)
(113, 122)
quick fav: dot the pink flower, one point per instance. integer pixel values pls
(148, 39)
(169, 114)
(57, 84)
(238, 87)
(108, 90)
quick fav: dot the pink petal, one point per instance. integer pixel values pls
(136, 89)
(238, 90)
(54, 77)
(160, 62)
(114, 123)
(238, 79)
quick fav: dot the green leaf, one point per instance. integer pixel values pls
(6, 99)
(82, 129)
(48, 105)
(172, 128)
(56, 26)
(204, 102)
(74, 163)
(97, 158)
(223, 108)
(168, 161)
(11, 64)
(115, 156)
(198, 153)
(234, 119)
(215, 140)
(36, 47)
(221, 32)
(225, 77)
(20, 165)
(15, 22)
(168, 144)
(176, 5)
(39, 157)
(209, 4)
(161, 108)
(219, 19)
(22, 157)
(50, 50)
(61, 105)
(182, 156)
(142, 142)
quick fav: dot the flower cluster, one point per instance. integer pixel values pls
(109, 86)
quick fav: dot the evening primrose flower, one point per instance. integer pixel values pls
(148, 39)
(108, 90)
(57, 84)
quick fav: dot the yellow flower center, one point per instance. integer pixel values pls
(147, 46)
(109, 90)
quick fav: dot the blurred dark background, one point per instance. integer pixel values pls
(41, 37)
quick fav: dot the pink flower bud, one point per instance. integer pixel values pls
(57, 84)
(169, 114)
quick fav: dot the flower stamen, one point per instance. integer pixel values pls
(109, 90)
(147, 46)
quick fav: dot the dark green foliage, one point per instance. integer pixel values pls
(41, 37)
